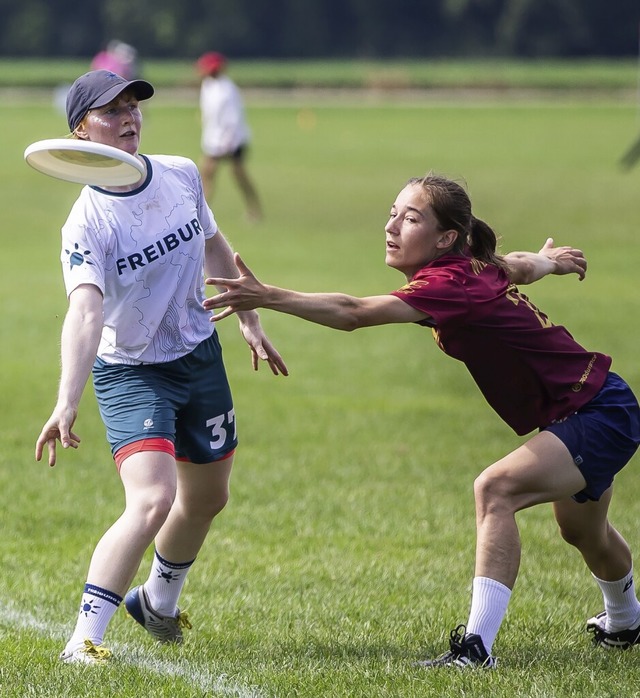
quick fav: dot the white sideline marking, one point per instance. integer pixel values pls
(202, 677)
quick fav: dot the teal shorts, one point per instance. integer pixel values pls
(602, 436)
(187, 401)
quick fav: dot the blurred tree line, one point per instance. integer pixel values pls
(323, 28)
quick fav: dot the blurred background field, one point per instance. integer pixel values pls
(390, 74)
(347, 549)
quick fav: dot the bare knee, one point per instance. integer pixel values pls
(491, 494)
(572, 535)
(214, 504)
(151, 509)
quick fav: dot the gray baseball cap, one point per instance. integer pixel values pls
(97, 88)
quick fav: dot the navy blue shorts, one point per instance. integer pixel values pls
(187, 401)
(602, 436)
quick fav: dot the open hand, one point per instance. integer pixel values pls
(568, 260)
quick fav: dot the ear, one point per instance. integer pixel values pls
(447, 239)
(80, 131)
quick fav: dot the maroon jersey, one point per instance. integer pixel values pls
(529, 370)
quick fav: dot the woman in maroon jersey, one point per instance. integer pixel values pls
(586, 418)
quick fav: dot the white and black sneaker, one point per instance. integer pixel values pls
(619, 639)
(466, 651)
(86, 653)
(162, 628)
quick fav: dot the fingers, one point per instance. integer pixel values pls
(547, 245)
(242, 267)
(266, 352)
(222, 314)
(49, 436)
(51, 447)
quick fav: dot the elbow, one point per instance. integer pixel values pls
(524, 273)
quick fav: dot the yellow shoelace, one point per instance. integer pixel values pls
(97, 652)
(183, 620)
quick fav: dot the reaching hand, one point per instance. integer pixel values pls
(568, 260)
(242, 293)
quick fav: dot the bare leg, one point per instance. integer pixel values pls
(254, 209)
(208, 170)
(586, 527)
(203, 491)
(149, 480)
(541, 470)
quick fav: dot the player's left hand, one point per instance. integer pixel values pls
(261, 347)
(568, 260)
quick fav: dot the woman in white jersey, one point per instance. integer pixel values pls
(134, 260)
(225, 132)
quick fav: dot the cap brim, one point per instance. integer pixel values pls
(141, 89)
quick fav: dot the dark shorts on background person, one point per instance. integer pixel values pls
(602, 436)
(187, 401)
(238, 154)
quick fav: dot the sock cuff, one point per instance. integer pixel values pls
(173, 565)
(489, 583)
(627, 578)
(102, 594)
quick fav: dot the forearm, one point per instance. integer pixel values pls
(336, 310)
(79, 344)
(528, 267)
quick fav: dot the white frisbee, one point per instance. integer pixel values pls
(84, 162)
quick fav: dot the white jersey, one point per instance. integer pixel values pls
(224, 127)
(144, 250)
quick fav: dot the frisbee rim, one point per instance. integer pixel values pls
(127, 170)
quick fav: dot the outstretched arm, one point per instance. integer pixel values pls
(219, 262)
(337, 310)
(79, 342)
(527, 267)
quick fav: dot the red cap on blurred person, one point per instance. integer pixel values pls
(211, 62)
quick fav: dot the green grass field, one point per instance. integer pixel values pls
(347, 549)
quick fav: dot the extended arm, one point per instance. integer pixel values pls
(79, 343)
(527, 267)
(219, 262)
(337, 310)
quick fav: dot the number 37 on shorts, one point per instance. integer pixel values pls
(222, 430)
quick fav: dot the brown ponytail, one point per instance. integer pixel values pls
(452, 208)
(483, 243)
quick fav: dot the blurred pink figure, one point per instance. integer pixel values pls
(119, 58)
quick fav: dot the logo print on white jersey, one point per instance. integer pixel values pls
(76, 258)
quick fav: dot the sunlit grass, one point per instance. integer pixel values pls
(347, 549)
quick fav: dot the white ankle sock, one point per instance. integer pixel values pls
(164, 585)
(489, 602)
(96, 610)
(620, 602)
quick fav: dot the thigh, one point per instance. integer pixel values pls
(149, 475)
(203, 484)
(584, 518)
(541, 470)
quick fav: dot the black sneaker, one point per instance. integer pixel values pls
(466, 651)
(620, 639)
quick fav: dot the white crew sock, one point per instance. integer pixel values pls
(489, 602)
(164, 585)
(96, 610)
(620, 602)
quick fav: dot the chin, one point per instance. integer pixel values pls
(388, 260)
